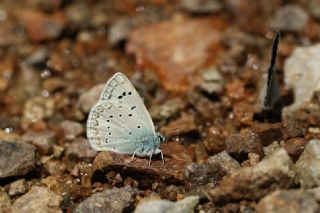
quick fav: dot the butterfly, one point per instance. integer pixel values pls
(120, 122)
(272, 91)
(270, 97)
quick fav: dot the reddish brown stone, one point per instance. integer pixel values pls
(295, 146)
(172, 170)
(175, 150)
(268, 132)
(182, 125)
(41, 27)
(214, 142)
(206, 108)
(240, 145)
(173, 49)
(243, 113)
(7, 67)
(235, 90)
(199, 153)
(292, 129)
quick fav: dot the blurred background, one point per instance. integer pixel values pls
(51, 52)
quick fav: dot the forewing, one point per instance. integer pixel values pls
(116, 128)
(120, 91)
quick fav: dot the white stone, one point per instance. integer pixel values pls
(302, 74)
(164, 206)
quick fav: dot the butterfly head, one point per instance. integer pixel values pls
(161, 138)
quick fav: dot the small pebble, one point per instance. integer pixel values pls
(89, 98)
(43, 140)
(71, 129)
(110, 200)
(38, 200)
(17, 187)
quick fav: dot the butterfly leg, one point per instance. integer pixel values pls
(132, 157)
(152, 151)
(162, 156)
(134, 153)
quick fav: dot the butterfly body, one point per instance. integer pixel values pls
(119, 122)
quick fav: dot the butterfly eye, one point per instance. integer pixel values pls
(161, 138)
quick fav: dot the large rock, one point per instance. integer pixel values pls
(111, 201)
(273, 172)
(164, 206)
(301, 73)
(173, 49)
(38, 200)
(290, 201)
(16, 158)
(171, 171)
(308, 166)
(290, 17)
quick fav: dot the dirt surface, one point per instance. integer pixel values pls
(200, 67)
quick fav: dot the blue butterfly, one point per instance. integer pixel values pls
(120, 122)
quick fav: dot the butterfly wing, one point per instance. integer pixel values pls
(120, 91)
(119, 121)
(115, 128)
